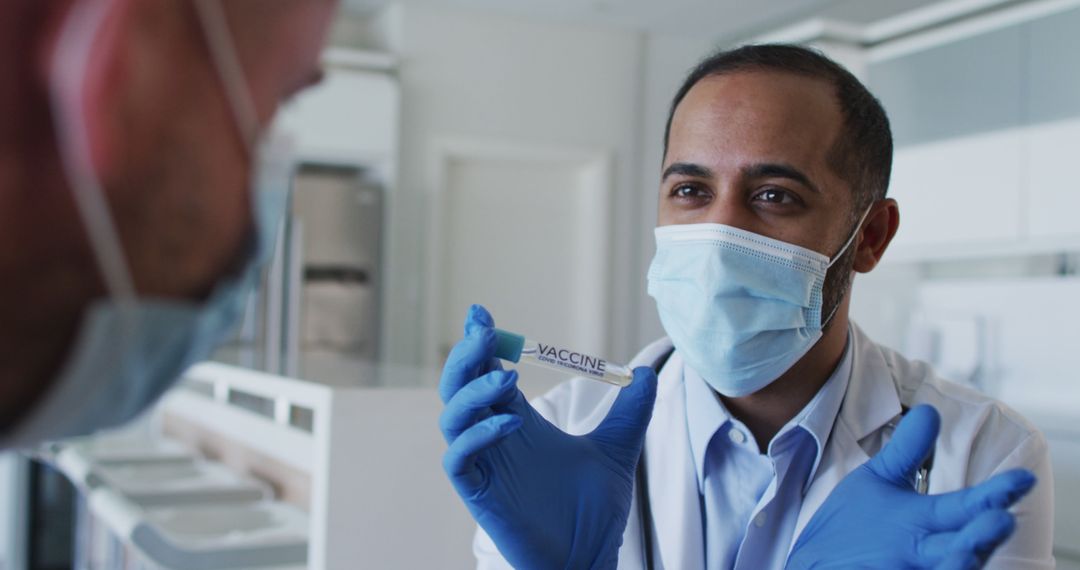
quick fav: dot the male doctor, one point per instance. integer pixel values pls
(132, 222)
(781, 436)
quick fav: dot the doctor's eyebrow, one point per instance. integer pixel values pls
(687, 169)
(779, 170)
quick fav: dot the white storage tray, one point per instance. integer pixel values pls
(265, 534)
(179, 483)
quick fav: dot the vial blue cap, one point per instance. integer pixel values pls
(508, 345)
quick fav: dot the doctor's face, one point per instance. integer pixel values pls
(750, 149)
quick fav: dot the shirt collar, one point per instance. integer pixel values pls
(706, 413)
(819, 416)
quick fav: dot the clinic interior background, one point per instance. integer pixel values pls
(522, 172)
(508, 153)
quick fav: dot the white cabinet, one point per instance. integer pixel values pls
(351, 117)
(1053, 71)
(956, 110)
(363, 461)
(1053, 139)
(1053, 195)
(987, 128)
(959, 191)
(965, 87)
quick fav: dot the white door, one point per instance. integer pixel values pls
(527, 238)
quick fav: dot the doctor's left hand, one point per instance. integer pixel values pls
(875, 519)
(546, 498)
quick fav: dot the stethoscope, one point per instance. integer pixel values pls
(641, 485)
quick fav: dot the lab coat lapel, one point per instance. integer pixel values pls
(870, 403)
(673, 494)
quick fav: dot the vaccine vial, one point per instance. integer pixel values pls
(516, 348)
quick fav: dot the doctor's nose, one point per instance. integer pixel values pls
(730, 207)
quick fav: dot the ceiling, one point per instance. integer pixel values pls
(732, 19)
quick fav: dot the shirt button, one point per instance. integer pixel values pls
(737, 436)
(759, 520)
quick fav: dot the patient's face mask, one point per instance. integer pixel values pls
(740, 308)
(130, 350)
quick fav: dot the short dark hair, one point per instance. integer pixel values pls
(863, 154)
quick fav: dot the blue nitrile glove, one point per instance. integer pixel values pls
(875, 519)
(546, 498)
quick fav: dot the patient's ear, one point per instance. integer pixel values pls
(82, 58)
(876, 235)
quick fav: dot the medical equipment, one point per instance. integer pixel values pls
(514, 347)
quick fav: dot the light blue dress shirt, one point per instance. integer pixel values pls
(750, 501)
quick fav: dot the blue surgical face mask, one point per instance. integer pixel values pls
(129, 349)
(740, 308)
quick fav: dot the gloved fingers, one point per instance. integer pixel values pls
(478, 317)
(911, 443)
(467, 358)
(956, 509)
(971, 546)
(459, 461)
(491, 365)
(985, 533)
(477, 320)
(473, 402)
(624, 426)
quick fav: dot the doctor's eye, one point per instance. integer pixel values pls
(689, 194)
(777, 196)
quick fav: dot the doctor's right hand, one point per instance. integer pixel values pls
(546, 498)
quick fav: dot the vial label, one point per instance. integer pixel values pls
(569, 359)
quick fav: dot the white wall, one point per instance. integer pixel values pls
(479, 76)
(474, 75)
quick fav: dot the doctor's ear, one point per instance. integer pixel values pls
(83, 54)
(876, 234)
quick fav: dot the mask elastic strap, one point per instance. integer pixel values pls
(839, 254)
(68, 75)
(219, 41)
(851, 238)
(828, 320)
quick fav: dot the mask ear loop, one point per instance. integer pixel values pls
(225, 60)
(230, 72)
(851, 238)
(839, 254)
(68, 75)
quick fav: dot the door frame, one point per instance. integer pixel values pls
(595, 180)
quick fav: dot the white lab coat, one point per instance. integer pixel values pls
(979, 437)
